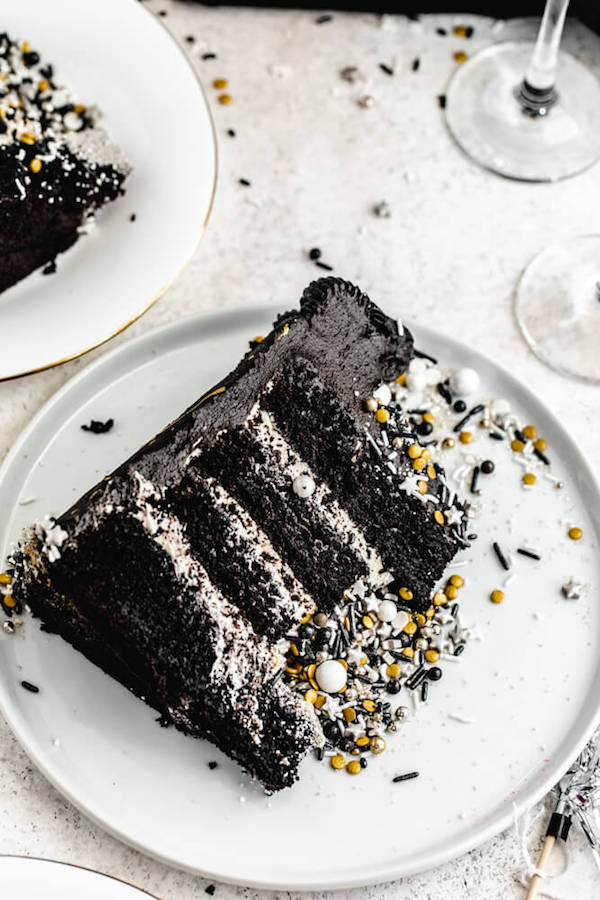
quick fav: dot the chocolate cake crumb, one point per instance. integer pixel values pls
(96, 427)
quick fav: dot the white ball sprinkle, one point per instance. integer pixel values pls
(400, 620)
(331, 676)
(416, 381)
(383, 394)
(304, 486)
(387, 611)
(464, 381)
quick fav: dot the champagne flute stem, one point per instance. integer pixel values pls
(537, 93)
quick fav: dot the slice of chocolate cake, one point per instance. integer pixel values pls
(182, 572)
(57, 167)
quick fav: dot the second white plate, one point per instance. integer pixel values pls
(117, 56)
(528, 691)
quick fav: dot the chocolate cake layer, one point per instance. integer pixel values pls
(179, 571)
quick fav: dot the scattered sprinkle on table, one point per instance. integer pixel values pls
(501, 557)
(212, 765)
(220, 84)
(323, 265)
(463, 31)
(190, 39)
(408, 776)
(244, 182)
(575, 533)
(382, 210)
(416, 64)
(210, 890)
(460, 56)
(97, 427)
(321, 20)
(530, 553)
(385, 68)
(231, 132)
(442, 101)
(224, 99)
(32, 688)
(366, 102)
(497, 596)
(208, 56)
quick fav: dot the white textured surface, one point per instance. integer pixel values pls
(451, 252)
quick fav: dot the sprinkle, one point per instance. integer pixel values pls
(530, 553)
(245, 182)
(439, 517)
(220, 84)
(210, 890)
(530, 432)
(441, 31)
(529, 478)
(497, 596)
(465, 437)
(472, 412)
(517, 446)
(407, 777)
(501, 557)
(474, 479)
(496, 436)
(463, 31)
(208, 56)
(459, 649)
(387, 69)
(424, 691)
(421, 355)
(441, 101)
(448, 443)
(541, 456)
(382, 210)
(321, 20)
(487, 467)
(575, 533)
(32, 688)
(231, 132)
(224, 99)
(382, 415)
(354, 767)
(366, 101)
(416, 63)
(96, 427)
(350, 74)
(460, 56)
(314, 253)
(35, 165)
(323, 265)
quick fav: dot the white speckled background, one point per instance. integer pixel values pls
(451, 252)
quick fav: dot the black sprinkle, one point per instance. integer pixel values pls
(472, 537)
(520, 436)
(320, 753)
(424, 690)
(459, 406)
(487, 467)
(458, 650)
(542, 457)
(363, 762)
(210, 890)
(444, 392)
(496, 435)
(97, 427)
(441, 31)
(163, 721)
(406, 777)
(245, 182)
(49, 268)
(442, 101)
(469, 415)
(454, 610)
(315, 253)
(320, 20)
(32, 688)
(422, 355)
(413, 16)
(208, 56)
(323, 265)
(501, 557)
(387, 69)
(212, 765)
(278, 676)
(474, 479)
(231, 132)
(163, 13)
(469, 30)
(132, 217)
(416, 63)
(190, 38)
(528, 553)
(435, 673)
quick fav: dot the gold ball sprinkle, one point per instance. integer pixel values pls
(35, 165)
(5, 578)
(422, 487)
(377, 745)
(311, 696)
(414, 451)
(465, 437)
(439, 517)
(224, 99)
(354, 767)
(451, 592)
(27, 138)
(368, 622)
(439, 599)
(448, 443)
(382, 416)
(408, 652)
(497, 596)
(460, 56)
(220, 84)
(457, 581)
(431, 473)
(530, 432)
(529, 478)
(410, 628)
(574, 533)
(540, 444)
(9, 601)
(338, 761)
(393, 670)
(419, 464)
(429, 417)
(517, 446)
(371, 404)
(349, 714)
(432, 656)
(362, 741)
(369, 705)
(258, 339)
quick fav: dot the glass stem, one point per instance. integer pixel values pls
(537, 93)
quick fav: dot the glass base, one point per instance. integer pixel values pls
(557, 304)
(489, 123)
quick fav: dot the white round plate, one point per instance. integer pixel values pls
(527, 694)
(34, 879)
(117, 56)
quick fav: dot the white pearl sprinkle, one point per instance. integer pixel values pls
(304, 486)
(400, 620)
(331, 676)
(387, 611)
(464, 381)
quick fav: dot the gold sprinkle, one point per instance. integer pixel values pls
(401, 379)
(530, 431)
(9, 601)
(420, 619)
(439, 517)
(224, 99)
(43, 85)
(408, 652)
(220, 84)
(320, 701)
(26, 46)
(377, 745)
(369, 705)
(517, 445)
(422, 487)
(431, 473)
(497, 596)
(460, 31)
(529, 478)
(465, 437)
(343, 663)
(432, 656)
(362, 741)
(371, 404)
(258, 339)
(79, 108)
(439, 599)
(405, 593)
(419, 464)
(430, 613)
(414, 451)
(294, 650)
(451, 592)
(382, 415)
(575, 534)
(540, 444)
(338, 761)
(426, 454)
(368, 622)
(311, 696)
(27, 138)
(429, 417)
(393, 670)
(5, 578)
(349, 714)
(410, 628)
(457, 581)
(354, 767)
(448, 443)
(460, 56)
